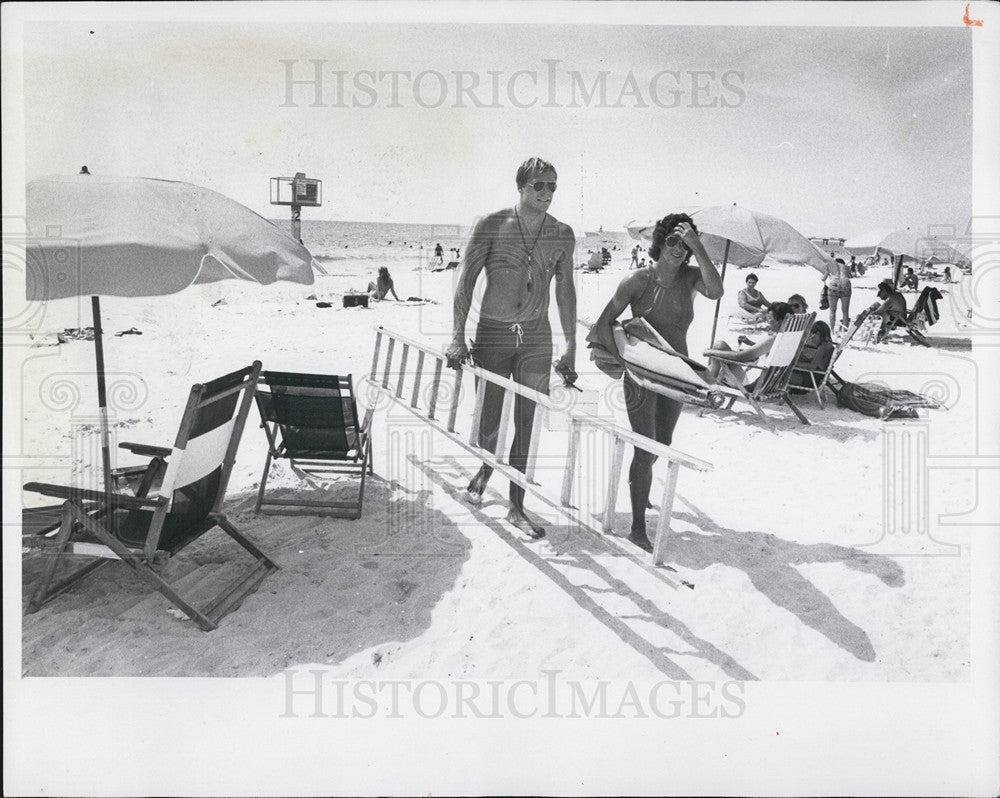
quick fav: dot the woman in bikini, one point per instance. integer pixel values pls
(384, 286)
(662, 294)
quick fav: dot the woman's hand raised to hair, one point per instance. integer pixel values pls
(687, 234)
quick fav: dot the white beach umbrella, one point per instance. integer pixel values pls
(905, 243)
(745, 237)
(720, 249)
(143, 237)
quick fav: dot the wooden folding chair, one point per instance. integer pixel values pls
(178, 498)
(775, 371)
(312, 421)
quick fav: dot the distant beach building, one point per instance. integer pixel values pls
(832, 246)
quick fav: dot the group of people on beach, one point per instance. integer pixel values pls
(522, 250)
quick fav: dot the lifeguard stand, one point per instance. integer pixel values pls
(296, 192)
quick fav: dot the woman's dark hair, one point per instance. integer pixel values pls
(383, 273)
(822, 329)
(780, 309)
(663, 229)
(753, 277)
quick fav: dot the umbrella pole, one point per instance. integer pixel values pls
(102, 395)
(718, 302)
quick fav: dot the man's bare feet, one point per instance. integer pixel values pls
(519, 518)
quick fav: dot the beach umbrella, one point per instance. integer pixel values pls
(745, 237)
(905, 243)
(720, 249)
(884, 239)
(132, 237)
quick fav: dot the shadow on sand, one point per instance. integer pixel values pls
(832, 422)
(343, 586)
(768, 561)
(578, 549)
(770, 564)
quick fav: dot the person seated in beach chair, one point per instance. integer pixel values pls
(892, 309)
(895, 315)
(751, 301)
(735, 376)
(383, 287)
(772, 360)
(798, 303)
(816, 354)
(910, 281)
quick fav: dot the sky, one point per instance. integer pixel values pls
(836, 130)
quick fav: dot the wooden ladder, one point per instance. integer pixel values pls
(400, 380)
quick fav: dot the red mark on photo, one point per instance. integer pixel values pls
(972, 23)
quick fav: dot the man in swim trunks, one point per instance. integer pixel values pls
(520, 250)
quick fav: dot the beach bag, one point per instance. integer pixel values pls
(824, 299)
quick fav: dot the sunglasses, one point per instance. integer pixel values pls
(538, 185)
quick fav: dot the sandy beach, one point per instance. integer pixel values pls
(824, 621)
(797, 573)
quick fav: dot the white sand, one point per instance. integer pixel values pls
(796, 575)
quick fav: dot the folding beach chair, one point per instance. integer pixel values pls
(654, 365)
(914, 321)
(820, 379)
(178, 497)
(868, 331)
(911, 323)
(312, 421)
(775, 370)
